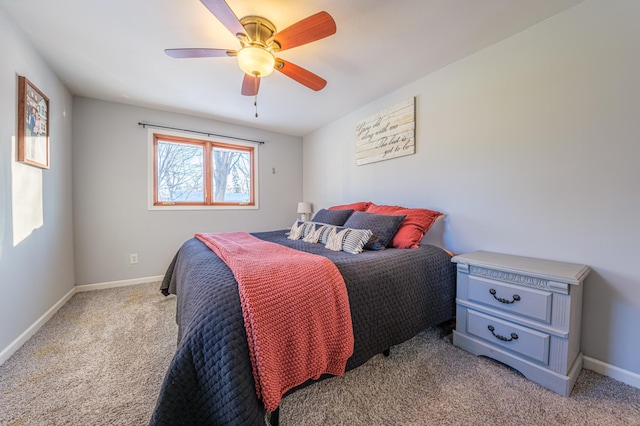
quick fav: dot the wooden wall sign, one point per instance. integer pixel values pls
(388, 134)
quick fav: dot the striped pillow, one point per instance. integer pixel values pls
(297, 230)
(309, 227)
(325, 233)
(314, 234)
(347, 239)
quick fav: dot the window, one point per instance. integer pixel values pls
(198, 172)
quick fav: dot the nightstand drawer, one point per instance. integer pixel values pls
(516, 338)
(518, 300)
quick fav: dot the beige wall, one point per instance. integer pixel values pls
(110, 187)
(51, 240)
(36, 236)
(530, 147)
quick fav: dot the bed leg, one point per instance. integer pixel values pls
(386, 352)
(273, 418)
(446, 328)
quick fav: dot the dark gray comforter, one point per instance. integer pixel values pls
(393, 294)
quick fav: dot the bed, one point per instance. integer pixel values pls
(393, 294)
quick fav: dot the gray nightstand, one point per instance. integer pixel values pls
(523, 312)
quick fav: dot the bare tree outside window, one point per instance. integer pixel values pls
(231, 175)
(180, 172)
(202, 172)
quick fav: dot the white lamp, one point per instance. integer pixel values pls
(254, 60)
(304, 209)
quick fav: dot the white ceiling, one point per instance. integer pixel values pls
(114, 50)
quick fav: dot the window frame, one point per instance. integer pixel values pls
(208, 144)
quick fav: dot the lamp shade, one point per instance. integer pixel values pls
(304, 207)
(256, 61)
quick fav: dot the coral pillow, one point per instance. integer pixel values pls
(412, 228)
(358, 207)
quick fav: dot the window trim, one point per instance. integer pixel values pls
(207, 143)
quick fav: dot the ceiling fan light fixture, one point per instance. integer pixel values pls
(256, 61)
(260, 43)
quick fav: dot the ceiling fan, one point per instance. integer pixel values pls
(260, 42)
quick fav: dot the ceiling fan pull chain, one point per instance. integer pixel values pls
(255, 100)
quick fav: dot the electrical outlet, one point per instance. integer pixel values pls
(133, 258)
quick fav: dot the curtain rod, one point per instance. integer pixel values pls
(158, 126)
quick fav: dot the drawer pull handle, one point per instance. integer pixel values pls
(514, 336)
(501, 300)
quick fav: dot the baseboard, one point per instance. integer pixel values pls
(113, 284)
(624, 376)
(6, 353)
(26, 335)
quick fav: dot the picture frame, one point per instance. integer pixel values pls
(33, 125)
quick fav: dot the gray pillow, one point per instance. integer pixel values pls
(332, 217)
(383, 226)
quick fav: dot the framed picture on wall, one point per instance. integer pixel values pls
(33, 125)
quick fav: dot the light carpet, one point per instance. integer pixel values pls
(101, 358)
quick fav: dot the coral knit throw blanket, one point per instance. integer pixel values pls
(296, 312)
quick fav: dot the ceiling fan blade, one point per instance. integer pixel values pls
(198, 53)
(301, 75)
(250, 85)
(310, 29)
(221, 10)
